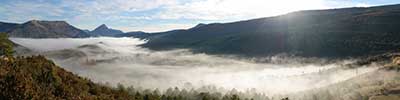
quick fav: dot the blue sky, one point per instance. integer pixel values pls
(160, 15)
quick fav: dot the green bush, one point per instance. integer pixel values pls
(6, 46)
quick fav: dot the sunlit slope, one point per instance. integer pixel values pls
(347, 32)
(382, 84)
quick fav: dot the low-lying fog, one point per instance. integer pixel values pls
(121, 60)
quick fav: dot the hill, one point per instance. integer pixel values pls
(332, 33)
(46, 29)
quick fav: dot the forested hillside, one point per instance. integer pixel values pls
(337, 33)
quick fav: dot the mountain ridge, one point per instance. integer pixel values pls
(336, 33)
(46, 29)
(5, 26)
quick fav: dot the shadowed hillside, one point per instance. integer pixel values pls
(5, 27)
(347, 32)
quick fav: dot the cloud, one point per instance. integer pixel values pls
(128, 17)
(117, 60)
(156, 28)
(22, 11)
(115, 6)
(88, 14)
(363, 5)
(235, 9)
(238, 9)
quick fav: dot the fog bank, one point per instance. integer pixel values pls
(121, 60)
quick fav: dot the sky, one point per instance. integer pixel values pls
(161, 15)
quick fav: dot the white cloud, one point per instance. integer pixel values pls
(127, 17)
(121, 60)
(20, 11)
(92, 13)
(232, 9)
(88, 14)
(115, 6)
(155, 28)
(363, 5)
(240, 9)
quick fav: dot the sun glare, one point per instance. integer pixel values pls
(264, 8)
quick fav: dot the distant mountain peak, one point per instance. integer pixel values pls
(137, 32)
(46, 29)
(44, 21)
(32, 22)
(103, 30)
(103, 26)
(199, 25)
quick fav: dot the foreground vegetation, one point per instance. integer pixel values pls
(36, 78)
(6, 46)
